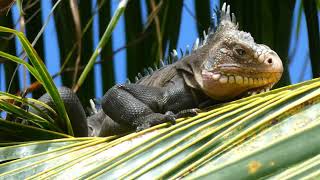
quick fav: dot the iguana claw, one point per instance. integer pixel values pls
(155, 119)
(188, 113)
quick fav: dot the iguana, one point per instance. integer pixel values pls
(225, 65)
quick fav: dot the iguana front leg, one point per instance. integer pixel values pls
(142, 106)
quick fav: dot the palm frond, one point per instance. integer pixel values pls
(252, 137)
(32, 28)
(11, 132)
(104, 39)
(8, 45)
(39, 71)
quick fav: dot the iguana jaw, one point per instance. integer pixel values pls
(224, 86)
(227, 81)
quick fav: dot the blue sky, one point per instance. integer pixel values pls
(188, 33)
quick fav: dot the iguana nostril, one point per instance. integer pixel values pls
(273, 61)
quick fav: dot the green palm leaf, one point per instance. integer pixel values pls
(33, 15)
(39, 71)
(245, 139)
(11, 80)
(11, 132)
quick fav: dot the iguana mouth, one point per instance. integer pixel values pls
(245, 84)
(267, 78)
(259, 90)
(237, 69)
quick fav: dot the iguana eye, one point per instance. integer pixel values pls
(240, 51)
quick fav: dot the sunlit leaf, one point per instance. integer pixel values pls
(248, 131)
(39, 71)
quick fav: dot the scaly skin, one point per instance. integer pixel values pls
(228, 64)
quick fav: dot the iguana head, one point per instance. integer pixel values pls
(232, 64)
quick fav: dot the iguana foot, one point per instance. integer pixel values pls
(155, 119)
(188, 113)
